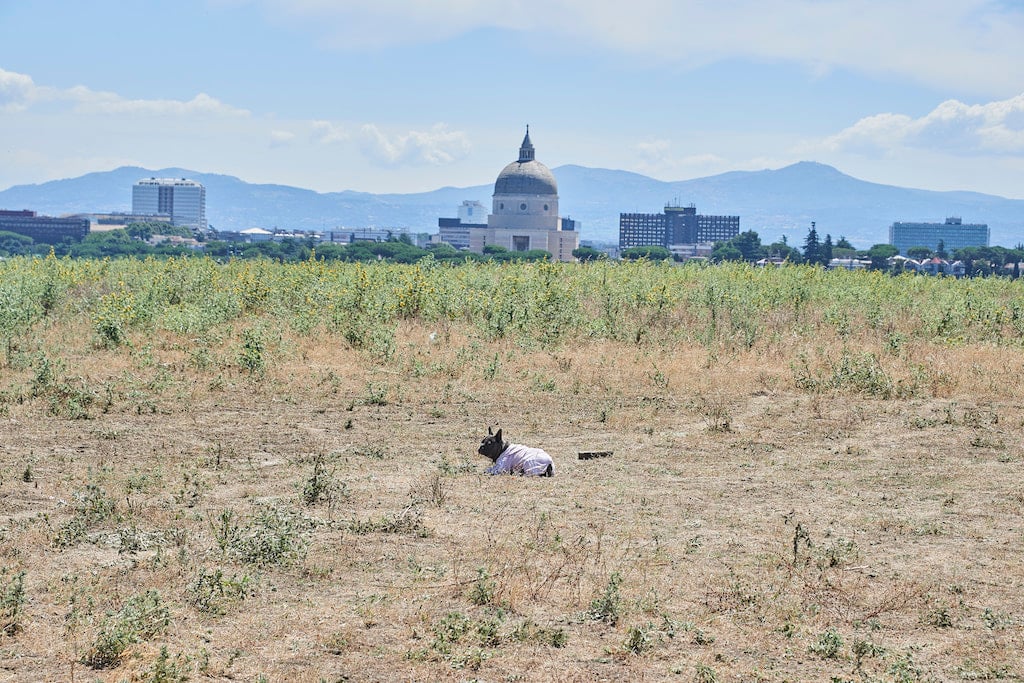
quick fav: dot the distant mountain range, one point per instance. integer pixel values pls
(772, 202)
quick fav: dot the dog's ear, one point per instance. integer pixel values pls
(489, 432)
(497, 437)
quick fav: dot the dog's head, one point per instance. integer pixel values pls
(492, 446)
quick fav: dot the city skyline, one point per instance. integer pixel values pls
(406, 97)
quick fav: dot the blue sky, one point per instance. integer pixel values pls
(412, 95)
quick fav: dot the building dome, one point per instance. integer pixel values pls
(526, 175)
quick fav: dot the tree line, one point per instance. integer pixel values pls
(747, 246)
(131, 242)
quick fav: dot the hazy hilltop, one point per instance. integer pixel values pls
(772, 202)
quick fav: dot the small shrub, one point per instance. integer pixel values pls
(531, 632)
(482, 592)
(639, 639)
(487, 631)
(940, 617)
(140, 618)
(450, 630)
(167, 670)
(472, 660)
(450, 469)
(92, 507)
(252, 355)
(12, 605)
(862, 649)
(321, 485)
(212, 592)
(45, 377)
(715, 412)
(491, 371)
(437, 490)
(828, 644)
(376, 395)
(841, 552)
(71, 400)
(705, 674)
(272, 536)
(607, 606)
(408, 520)
(903, 669)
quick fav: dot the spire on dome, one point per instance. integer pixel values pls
(526, 149)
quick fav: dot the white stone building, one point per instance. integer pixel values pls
(184, 201)
(524, 212)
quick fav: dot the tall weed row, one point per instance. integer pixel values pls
(730, 306)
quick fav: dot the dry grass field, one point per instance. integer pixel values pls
(829, 490)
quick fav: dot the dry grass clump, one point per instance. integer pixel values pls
(298, 499)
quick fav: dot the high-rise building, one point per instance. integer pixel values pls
(184, 201)
(677, 225)
(953, 234)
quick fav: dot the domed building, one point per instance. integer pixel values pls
(524, 212)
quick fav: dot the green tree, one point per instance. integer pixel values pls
(782, 250)
(880, 255)
(650, 253)
(825, 251)
(843, 243)
(919, 253)
(940, 250)
(725, 251)
(533, 255)
(812, 247)
(445, 252)
(588, 254)
(13, 244)
(749, 245)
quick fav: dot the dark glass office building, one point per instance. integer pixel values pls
(677, 225)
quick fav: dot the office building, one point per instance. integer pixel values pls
(953, 234)
(677, 225)
(184, 201)
(43, 228)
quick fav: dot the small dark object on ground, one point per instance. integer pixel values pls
(590, 455)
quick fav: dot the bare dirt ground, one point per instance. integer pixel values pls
(331, 520)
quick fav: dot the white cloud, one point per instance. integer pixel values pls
(434, 147)
(281, 138)
(326, 133)
(995, 128)
(90, 101)
(976, 45)
(657, 157)
(19, 92)
(16, 91)
(653, 151)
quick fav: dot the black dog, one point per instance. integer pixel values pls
(513, 458)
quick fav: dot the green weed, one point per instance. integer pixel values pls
(12, 604)
(271, 536)
(828, 644)
(607, 607)
(140, 618)
(167, 670)
(213, 591)
(482, 591)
